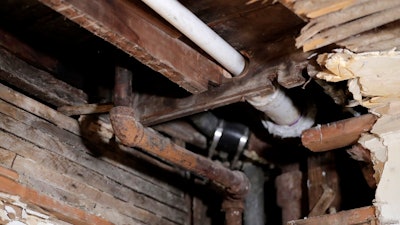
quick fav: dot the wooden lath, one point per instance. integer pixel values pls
(128, 26)
(336, 21)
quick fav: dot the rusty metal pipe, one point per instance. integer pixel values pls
(131, 133)
(122, 86)
(233, 209)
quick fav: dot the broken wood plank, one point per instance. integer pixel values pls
(57, 208)
(312, 9)
(127, 26)
(384, 38)
(322, 175)
(364, 8)
(324, 202)
(161, 109)
(73, 110)
(36, 82)
(337, 134)
(335, 34)
(359, 216)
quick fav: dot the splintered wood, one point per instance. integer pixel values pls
(336, 21)
(373, 79)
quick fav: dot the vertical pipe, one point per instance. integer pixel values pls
(254, 210)
(122, 86)
(233, 209)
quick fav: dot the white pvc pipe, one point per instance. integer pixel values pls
(277, 106)
(197, 31)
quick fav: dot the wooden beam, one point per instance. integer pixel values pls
(359, 216)
(37, 82)
(129, 27)
(160, 109)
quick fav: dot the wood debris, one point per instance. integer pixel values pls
(373, 79)
(336, 21)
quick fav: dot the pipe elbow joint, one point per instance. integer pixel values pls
(126, 128)
(240, 186)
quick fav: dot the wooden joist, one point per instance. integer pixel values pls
(131, 28)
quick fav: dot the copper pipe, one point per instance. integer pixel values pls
(338, 134)
(131, 133)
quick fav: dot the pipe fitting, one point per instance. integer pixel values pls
(284, 117)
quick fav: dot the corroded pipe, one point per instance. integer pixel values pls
(233, 209)
(122, 86)
(131, 133)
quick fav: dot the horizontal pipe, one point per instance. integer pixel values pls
(198, 32)
(338, 134)
(131, 133)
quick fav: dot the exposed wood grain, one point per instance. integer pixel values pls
(324, 202)
(60, 210)
(73, 110)
(60, 120)
(359, 216)
(351, 28)
(41, 110)
(381, 39)
(124, 24)
(90, 197)
(322, 175)
(36, 82)
(337, 134)
(59, 145)
(161, 109)
(312, 8)
(73, 172)
(343, 16)
(6, 157)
